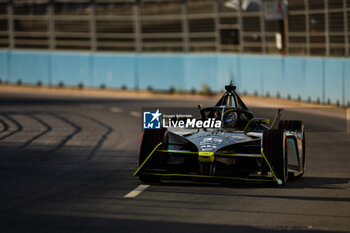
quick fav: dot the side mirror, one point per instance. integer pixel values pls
(278, 115)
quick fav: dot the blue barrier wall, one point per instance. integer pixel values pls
(325, 80)
(314, 80)
(251, 75)
(273, 76)
(113, 71)
(346, 82)
(71, 69)
(199, 70)
(29, 67)
(160, 72)
(4, 68)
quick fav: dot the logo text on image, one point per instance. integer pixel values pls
(151, 120)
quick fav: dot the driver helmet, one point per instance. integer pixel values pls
(230, 119)
(218, 114)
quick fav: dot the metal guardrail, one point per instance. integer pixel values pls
(124, 25)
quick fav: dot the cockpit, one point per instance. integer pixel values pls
(229, 116)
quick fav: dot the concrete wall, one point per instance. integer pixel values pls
(325, 80)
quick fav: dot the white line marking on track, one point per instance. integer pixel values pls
(137, 191)
(116, 110)
(135, 114)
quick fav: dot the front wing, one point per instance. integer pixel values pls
(143, 170)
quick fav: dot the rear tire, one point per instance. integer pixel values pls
(274, 147)
(291, 125)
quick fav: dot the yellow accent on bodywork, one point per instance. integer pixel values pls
(145, 161)
(213, 177)
(206, 157)
(230, 110)
(273, 173)
(219, 154)
(177, 152)
(240, 155)
(298, 173)
(154, 170)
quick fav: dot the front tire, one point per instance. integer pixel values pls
(295, 125)
(150, 139)
(274, 147)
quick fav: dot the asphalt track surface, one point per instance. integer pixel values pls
(66, 164)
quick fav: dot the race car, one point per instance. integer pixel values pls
(243, 148)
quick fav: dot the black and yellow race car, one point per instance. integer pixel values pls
(243, 148)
